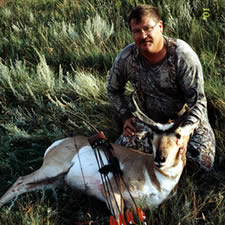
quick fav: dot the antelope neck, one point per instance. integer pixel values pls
(167, 172)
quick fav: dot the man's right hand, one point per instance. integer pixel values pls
(129, 127)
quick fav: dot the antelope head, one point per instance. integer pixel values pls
(169, 147)
(169, 141)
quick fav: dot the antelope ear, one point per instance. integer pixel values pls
(182, 150)
(179, 142)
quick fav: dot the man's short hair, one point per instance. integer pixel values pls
(143, 10)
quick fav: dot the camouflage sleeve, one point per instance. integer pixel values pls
(191, 84)
(116, 88)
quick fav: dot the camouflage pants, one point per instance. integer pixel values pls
(201, 146)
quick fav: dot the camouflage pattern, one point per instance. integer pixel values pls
(140, 141)
(164, 95)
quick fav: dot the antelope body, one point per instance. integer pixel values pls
(148, 177)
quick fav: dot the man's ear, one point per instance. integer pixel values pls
(161, 26)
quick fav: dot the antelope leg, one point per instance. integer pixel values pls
(41, 178)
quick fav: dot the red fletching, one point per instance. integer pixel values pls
(130, 217)
(113, 221)
(101, 135)
(141, 214)
(122, 219)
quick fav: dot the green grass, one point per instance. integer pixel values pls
(55, 57)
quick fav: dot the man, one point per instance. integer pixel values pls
(166, 73)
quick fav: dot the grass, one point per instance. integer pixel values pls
(55, 57)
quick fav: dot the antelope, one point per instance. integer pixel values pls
(150, 178)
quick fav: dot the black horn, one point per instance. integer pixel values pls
(158, 127)
(186, 111)
(143, 117)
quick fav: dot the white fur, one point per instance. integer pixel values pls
(150, 195)
(84, 173)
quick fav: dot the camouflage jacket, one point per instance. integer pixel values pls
(165, 91)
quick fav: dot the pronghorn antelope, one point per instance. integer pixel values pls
(151, 177)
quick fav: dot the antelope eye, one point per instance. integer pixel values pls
(178, 136)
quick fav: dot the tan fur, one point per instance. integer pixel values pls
(58, 162)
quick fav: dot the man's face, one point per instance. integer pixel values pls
(147, 35)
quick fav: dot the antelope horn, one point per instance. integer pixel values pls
(162, 127)
(144, 118)
(177, 123)
(184, 113)
(141, 116)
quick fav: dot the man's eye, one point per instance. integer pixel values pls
(136, 31)
(148, 29)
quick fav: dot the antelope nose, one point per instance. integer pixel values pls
(159, 160)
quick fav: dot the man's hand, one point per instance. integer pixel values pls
(129, 127)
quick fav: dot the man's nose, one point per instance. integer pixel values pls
(143, 34)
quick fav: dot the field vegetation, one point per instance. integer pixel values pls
(55, 58)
